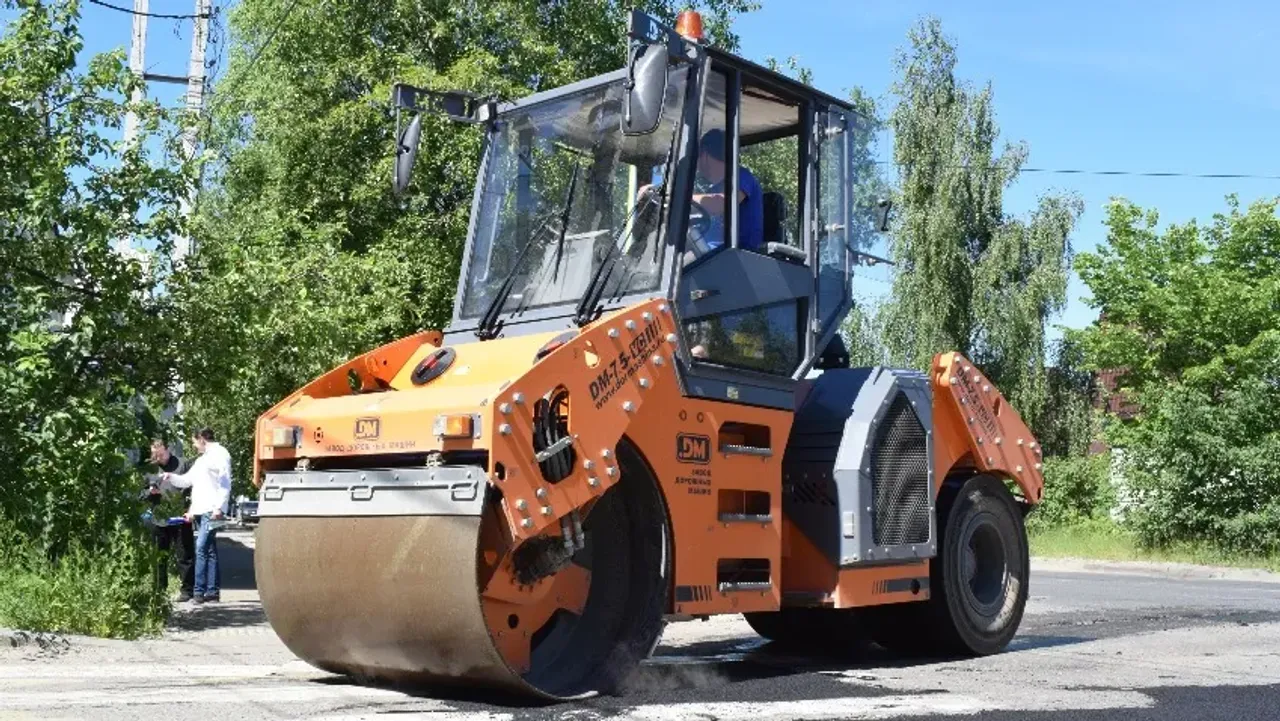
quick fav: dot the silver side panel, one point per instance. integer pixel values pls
(854, 474)
(438, 491)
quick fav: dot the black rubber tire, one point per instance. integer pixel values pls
(979, 615)
(976, 603)
(623, 617)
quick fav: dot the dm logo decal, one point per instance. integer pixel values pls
(368, 429)
(692, 448)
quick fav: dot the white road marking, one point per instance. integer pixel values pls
(136, 670)
(187, 695)
(884, 707)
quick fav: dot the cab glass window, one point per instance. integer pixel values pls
(765, 338)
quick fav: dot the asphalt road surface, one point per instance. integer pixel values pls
(1098, 643)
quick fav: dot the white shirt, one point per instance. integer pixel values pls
(209, 479)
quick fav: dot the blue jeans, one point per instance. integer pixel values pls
(208, 576)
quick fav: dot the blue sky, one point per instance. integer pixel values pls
(1135, 85)
(1149, 86)
(168, 41)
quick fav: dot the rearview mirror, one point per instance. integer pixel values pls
(406, 153)
(455, 105)
(646, 89)
(883, 209)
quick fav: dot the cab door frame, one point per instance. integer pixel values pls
(832, 222)
(741, 385)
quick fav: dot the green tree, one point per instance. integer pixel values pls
(84, 342)
(1190, 315)
(1070, 422)
(305, 257)
(1190, 300)
(84, 337)
(970, 277)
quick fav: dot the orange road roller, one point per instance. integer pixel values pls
(641, 409)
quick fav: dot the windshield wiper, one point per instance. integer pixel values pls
(564, 221)
(490, 324)
(589, 306)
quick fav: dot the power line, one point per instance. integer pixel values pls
(1149, 174)
(217, 37)
(1130, 173)
(270, 36)
(253, 59)
(131, 11)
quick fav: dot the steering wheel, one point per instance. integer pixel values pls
(699, 222)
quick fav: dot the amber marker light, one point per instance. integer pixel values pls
(455, 425)
(689, 25)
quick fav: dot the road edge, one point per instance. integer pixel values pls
(1186, 571)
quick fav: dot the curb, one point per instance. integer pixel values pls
(44, 641)
(1184, 571)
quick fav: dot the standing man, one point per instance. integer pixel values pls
(180, 539)
(209, 479)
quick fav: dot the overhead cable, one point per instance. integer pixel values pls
(1129, 173)
(131, 11)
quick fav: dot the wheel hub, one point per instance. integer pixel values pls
(984, 566)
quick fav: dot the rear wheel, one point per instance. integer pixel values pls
(978, 580)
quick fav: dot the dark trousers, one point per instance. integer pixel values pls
(181, 542)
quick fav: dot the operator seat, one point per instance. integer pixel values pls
(775, 217)
(775, 224)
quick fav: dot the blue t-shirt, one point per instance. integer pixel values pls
(750, 215)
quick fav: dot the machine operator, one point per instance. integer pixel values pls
(711, 168)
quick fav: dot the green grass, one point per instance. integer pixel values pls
(108, 591)
(1106, 541)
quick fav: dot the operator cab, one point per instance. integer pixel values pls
(692, 175)
(765, 296)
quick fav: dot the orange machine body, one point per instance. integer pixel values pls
(718, 464)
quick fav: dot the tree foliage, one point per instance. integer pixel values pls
(1077, 490)
(1071, 422)
(83, 338)
(970, 277)
(1191, 315)
(305, 257)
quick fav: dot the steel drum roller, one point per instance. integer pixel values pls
(436, 599)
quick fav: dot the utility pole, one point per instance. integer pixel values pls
(195, 106)
(194, 81)
(137, 66)
(194, 100)
(182, 246)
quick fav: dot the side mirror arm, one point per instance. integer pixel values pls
(867, 259)
(456, 105)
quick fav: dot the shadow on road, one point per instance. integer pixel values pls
(217, 615)
(745, 668)
(753, 659)
(236, 560)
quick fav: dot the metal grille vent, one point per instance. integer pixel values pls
(812, 491)
(900, 484)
